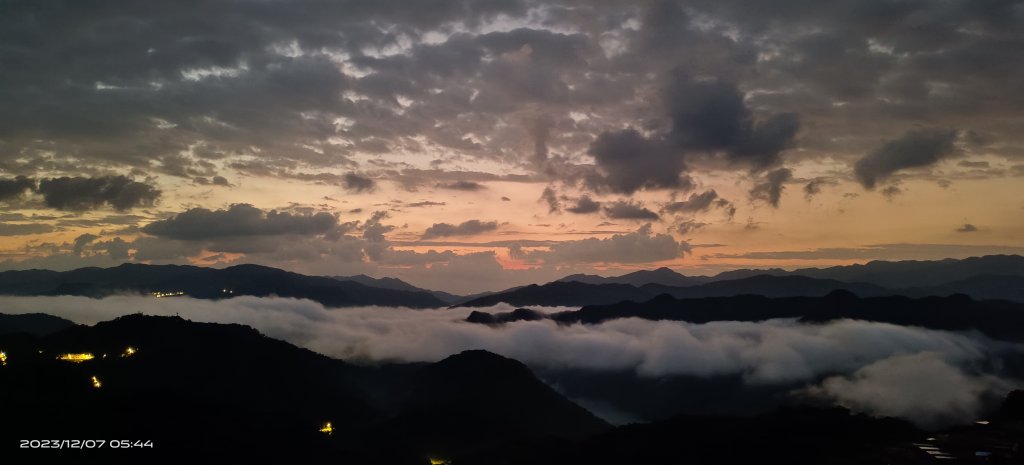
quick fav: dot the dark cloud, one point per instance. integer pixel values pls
(625, 210)
(966, 228)
(769, 188)
(466, 228)
(628, 161)
(712, 117)
(883, 252)
(973, 164)
(14, 188)
(697, 202)
(425, 203)
(116, 248)
(469, 186)
(641, 246)
(239, 220)
(550, 197)
(584, 205)
(914, 149)
(82, 241)
(891, 192)
(358, 183)
(12, 229)
(689, 226)
(813, 187)
(80, 193)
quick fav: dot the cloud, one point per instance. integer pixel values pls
(700, 202)
(883, 252)
(877, 368)
(967, 227)
(239, 219)
(358, 183)
(890, 192)
(584, 205)
(12, 229)
(469, 186)
(82, 241)
(628, 161)
(625, 210)
(425, 203)
(466, 228)
(116, 248)
(924, 387)
(712, 117)
(697, 202)
(81, 193)
(641, 246)
(550, 197)
(914, 149)
(13, 188)
(771, 185)
(813, 187)
(689, 226)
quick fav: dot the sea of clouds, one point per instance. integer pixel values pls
(928, 376)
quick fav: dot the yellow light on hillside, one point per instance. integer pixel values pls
(128, 352)
(3, 358)
(434, 461)
(96, 382)
(76, 358)
(327, 429)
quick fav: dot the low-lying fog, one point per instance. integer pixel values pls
(877, 368)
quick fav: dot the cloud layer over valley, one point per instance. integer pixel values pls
(925, 375)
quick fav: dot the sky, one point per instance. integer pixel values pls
(476, 145)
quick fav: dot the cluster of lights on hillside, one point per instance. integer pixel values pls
(96, 382)
(160, 294)
(327, 429)
(3, 358)
(76, 358)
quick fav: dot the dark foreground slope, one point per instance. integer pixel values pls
(225, 391)
(208, 283)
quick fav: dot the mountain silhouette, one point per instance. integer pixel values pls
(32, 323)
(574, 293)
(396, 284)
(208, 283)
(664, 276)
(226, 391)
(906, 273)
(995, 318)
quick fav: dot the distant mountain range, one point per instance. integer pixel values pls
(663, 276)
(889, 274)
(989, 277)
(994, 318)
(208, 283)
